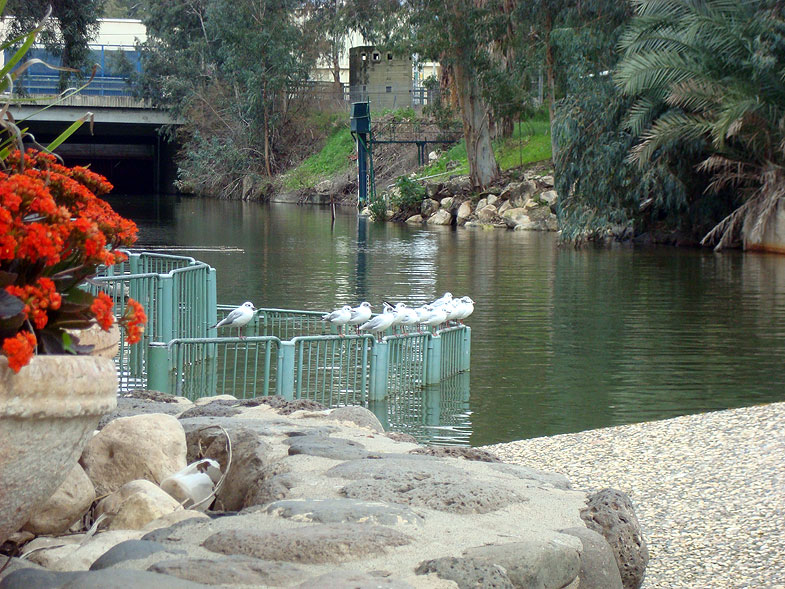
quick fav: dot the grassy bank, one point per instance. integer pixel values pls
(530, 142)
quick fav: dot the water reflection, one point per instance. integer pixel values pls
(562, 340)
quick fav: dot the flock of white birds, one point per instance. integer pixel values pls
(445, 308)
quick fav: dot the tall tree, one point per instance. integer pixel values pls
(73, 24)
(459, 34)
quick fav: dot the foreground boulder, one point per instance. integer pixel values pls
(139, 447)
(68, 504)
(321, 498)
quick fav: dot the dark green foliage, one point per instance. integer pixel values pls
(378, 209)
(73, 24)
(600, 192)
(711, 73)
(228, 68)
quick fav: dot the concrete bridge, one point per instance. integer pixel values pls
(126, 144)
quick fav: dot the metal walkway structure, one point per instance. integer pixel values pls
(291, 353)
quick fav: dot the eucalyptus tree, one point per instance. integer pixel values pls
(459, 34)
(712, 74)
(73, 24)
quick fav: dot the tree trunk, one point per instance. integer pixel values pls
(336, 71)
(482, 163)
(549, 67)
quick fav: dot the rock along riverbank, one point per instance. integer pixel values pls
(317, 498)
(709, 490)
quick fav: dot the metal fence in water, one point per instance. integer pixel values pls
(288, 352)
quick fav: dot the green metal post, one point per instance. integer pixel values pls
(286, 370)
(165, 322)
(466, 349)
(212, 302)
(433, 370)
(380, 364)
(158, 368)
(133, 263)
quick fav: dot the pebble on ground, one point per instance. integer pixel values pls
(708, 490)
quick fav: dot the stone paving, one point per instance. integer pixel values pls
(708, 489)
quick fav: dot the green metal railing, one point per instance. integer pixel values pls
(288, 352)
(178, 295)
(199, 367)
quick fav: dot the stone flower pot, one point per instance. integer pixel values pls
(105, 343)
(48, 412)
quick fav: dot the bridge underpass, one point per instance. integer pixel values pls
(126, 145)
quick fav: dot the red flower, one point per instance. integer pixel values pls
(19, 349)
(133, 320)
(102, 310)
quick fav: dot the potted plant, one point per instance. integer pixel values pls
(55, 231)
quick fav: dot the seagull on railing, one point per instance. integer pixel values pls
(379, 323)
(405, 316)
(437, 316)
(442, 300)
(467, 308)
(339, 317)
(239, 318)
(453, 309)
(360, 314)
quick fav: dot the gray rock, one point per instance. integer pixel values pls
(415, 220)
(598, 565)
(251, 463)
(37, 578)
(428, 207)
(357, 415)
(174, 534)
(467, 573)
(423, 483)
(516, 216)
(532, 474)
(130, 550)
(440, 217)
(492, 199)
(127, 407)
(535, 563)
(231, 570)
(214, 409)
(483, 202)
(465, 210)
(504, 207)
(128, 579)
(487, 213)
(550, 197)
(326, 447)
(457, 452)
(352, 580)
(401, 437)
(432, 188)
(459, 185)
(446, 203)
(330, 511)
(610, 512)
(518, 192)
(323, 543)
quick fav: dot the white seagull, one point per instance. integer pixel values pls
(453, 309)
(442, 300)
(339, 317)
(405, 316)
(467, 308)
(239, 318)
(437, 317)
(360, 314)
(380, 322)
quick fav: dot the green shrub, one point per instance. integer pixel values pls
(412, 193)
(378, 210)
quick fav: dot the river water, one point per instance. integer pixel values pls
(563, 340)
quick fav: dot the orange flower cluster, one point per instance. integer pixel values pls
(54, 233)
(133, 320)
(102, 310)
(19, 349)
(37, 299)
